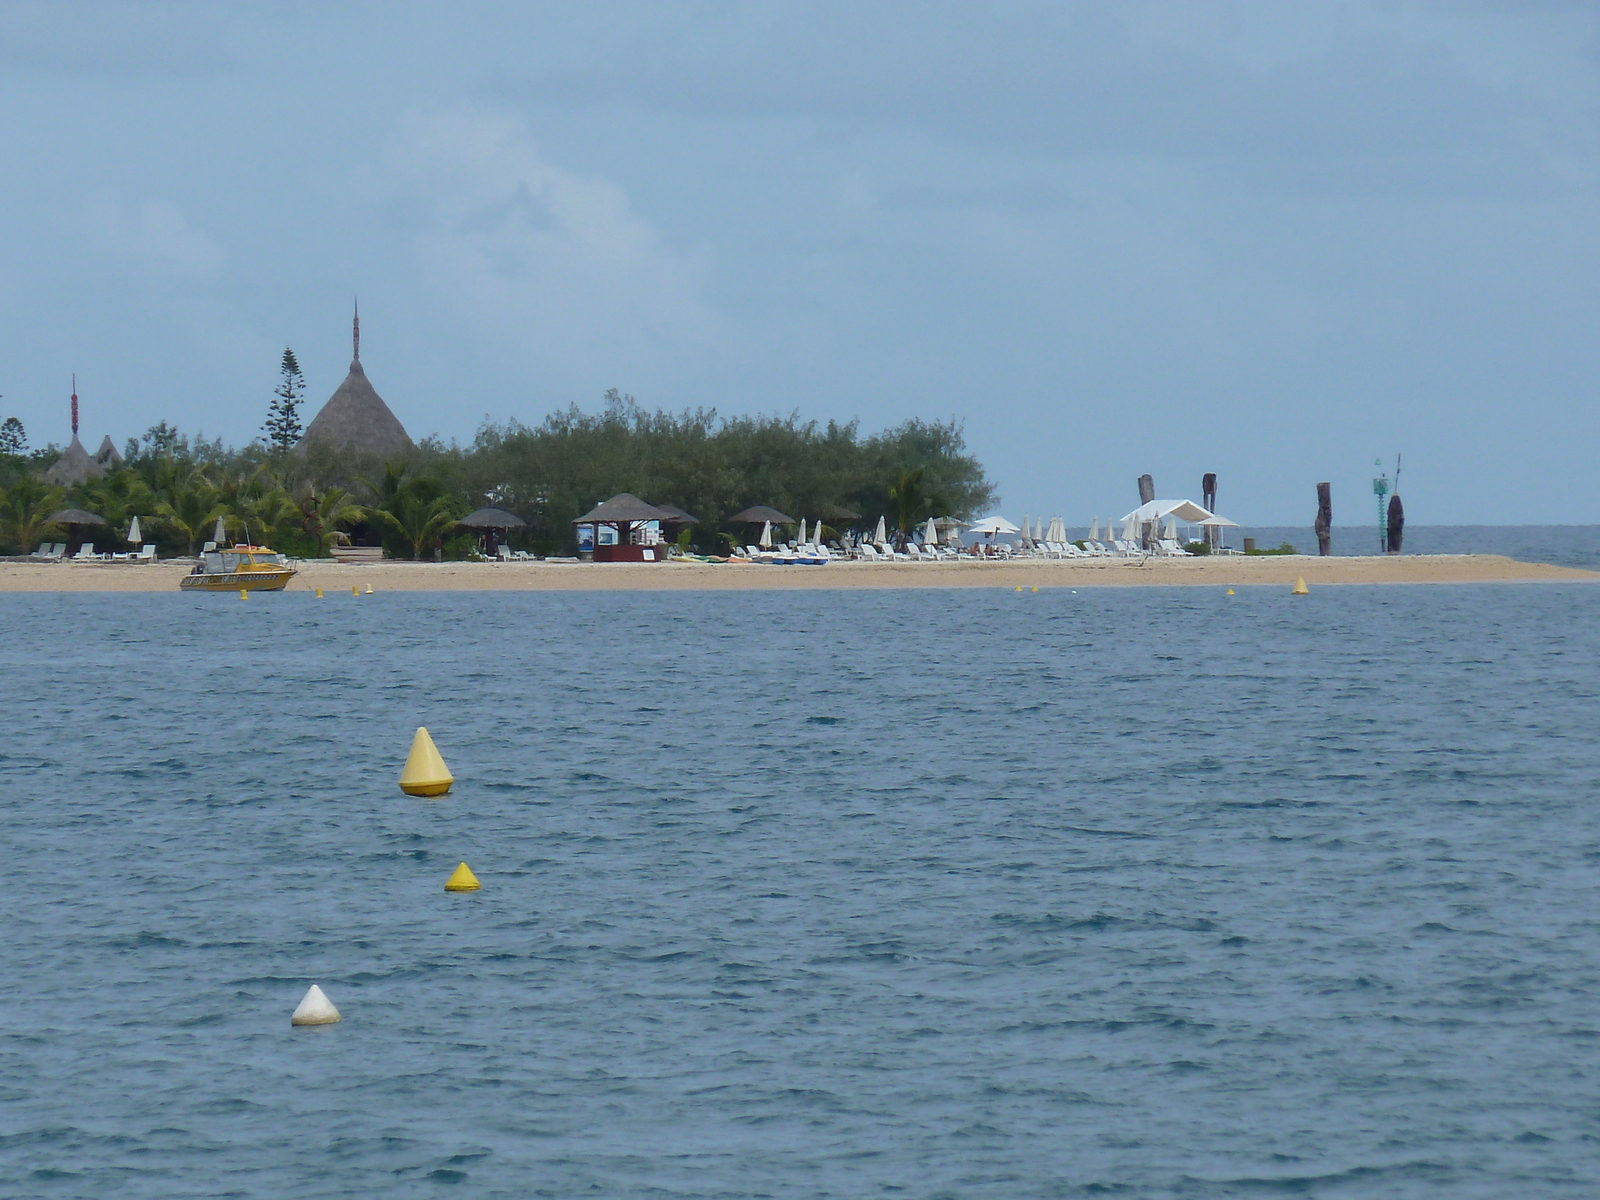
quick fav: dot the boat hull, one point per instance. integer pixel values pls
(238, 581)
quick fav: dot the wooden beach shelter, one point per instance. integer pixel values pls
(76, 519)
(495, 524)
(630, 517)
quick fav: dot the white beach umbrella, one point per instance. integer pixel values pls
(995, 524)
(219, 535)
(1094, 530)
(930, 535)
(801, 539)
(135, 537)
(882, 535)
(1027, 529)
(1172, 528)
(765, 540)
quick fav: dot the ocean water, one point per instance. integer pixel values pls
(1142, 892)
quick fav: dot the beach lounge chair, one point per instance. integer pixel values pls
(503, 554)
(147, 553)
(85, 553)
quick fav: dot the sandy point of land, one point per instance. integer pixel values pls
(1230, 571)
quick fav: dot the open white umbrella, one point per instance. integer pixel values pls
(996, 524)
(765, 540)
(135, 537)
(882, 535)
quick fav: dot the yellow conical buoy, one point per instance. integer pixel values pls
(425, 773)
(1019, 589)
(319, 593)
(1036, 589)
(355, 591)
(461, 880)
(1300, 588)
(1229, 592)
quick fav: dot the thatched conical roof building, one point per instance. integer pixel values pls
(76, 465)
(355, 416)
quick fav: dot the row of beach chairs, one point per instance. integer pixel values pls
(57, 552)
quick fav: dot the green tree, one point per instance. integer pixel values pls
(419, 513)
(25, 509)
(910, 503)
(283, 428)
(13, 437)
(325, 513)
(189, 506)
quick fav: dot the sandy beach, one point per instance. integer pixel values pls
(1232, 571)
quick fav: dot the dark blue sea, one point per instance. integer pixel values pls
(1121, 892)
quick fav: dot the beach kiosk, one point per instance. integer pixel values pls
(625, 529)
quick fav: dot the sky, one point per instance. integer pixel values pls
(1273, 241)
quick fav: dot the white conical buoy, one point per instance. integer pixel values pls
(315, 1009)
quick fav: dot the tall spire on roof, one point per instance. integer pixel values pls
(74, 404)
(355, 333)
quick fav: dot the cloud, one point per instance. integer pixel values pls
(554, 260)
(158, 238)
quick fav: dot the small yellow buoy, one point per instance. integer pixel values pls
(1229, 592)
(1300, 588)
(1036, 589)
(243, 595)
(461, 880)
(319, 593)
(1019, 589)
(369, 589)
(355, 591)
(425, 773)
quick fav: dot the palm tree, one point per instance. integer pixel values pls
(326, 513)
(188, 505)
(25, 509)
(418, 518)
(909, 500)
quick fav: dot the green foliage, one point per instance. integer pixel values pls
(25, 507)
(548, 474)
(1200, 549)
(1286, 548)
(283, 428)
(13, 437)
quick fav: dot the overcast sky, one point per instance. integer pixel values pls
(1273, 241)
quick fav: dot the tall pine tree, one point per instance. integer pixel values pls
(283, 428)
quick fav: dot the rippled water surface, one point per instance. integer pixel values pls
(1145, 892)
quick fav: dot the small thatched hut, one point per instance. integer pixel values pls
(629, 516)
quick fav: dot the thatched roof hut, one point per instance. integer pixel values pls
(355, 416)
(624, 507)
(73, 467)
(760, 515)
(492, 518)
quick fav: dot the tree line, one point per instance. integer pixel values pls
(303, 501)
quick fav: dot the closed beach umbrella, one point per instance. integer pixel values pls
(135, 536)
(219, 535)
(1027, 527)
(765, 540)
(1094, 530)
(882, 535)
(930, 535)
(800, 540)
(1172, 528)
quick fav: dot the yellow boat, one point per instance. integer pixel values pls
(242, 568)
